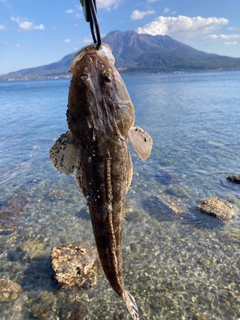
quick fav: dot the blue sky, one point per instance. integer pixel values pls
(34, 33)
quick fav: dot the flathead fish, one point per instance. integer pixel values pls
(100, 117)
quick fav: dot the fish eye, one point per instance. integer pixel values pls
(83, 78)
(107, 76)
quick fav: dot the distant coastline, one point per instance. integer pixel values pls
(69, 76)
(138, 54)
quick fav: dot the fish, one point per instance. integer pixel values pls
(101, 121)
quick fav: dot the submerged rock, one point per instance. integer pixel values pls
(218, 208)
(232, 235)
(134, 213)
(235, 178)
(10, 214)
(75, 264)
(78, 311)
(171, 204)
(32, 249)
(9, 290)
(42, 306)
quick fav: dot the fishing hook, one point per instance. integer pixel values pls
(90, 13)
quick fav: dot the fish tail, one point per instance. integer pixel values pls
(130, 304)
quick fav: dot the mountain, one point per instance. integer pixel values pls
(144, 53)
(140, 53)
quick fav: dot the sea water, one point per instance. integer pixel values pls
(178, 263)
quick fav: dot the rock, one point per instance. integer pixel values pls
(10, 214)
(78, 311)
(134, 213)
(171, 204)
(218, 208)
(9, 290)
(75, 264)
(134, 216)
(32, 249)
(232, 235)
(42, 306)
(73, 310)
(235, 178)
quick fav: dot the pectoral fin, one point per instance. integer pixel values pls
(64, 154)
(141, 141)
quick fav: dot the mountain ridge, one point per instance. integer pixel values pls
(139, 53)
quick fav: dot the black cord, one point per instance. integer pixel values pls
(94, 26)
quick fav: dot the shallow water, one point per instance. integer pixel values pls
(177, 266)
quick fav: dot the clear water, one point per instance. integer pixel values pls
(177, 266)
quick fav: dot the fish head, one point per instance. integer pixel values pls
(98, 99)
(79, 58)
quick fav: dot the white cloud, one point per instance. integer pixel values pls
(75, 13)
(136, 15)
(2, 27)
(67, 40)
(40, 27)
(150, 1)
(107, 4)
(26, 25)
(229, 43)
(182, 25)
(17, 45)
(166, 10)
(223, 36)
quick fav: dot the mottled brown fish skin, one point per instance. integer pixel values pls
(100, 114)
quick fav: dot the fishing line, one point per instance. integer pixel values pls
(90, 14)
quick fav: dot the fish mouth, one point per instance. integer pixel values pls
(104, 50)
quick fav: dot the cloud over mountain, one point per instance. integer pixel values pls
(137, 15)
(189, 26)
